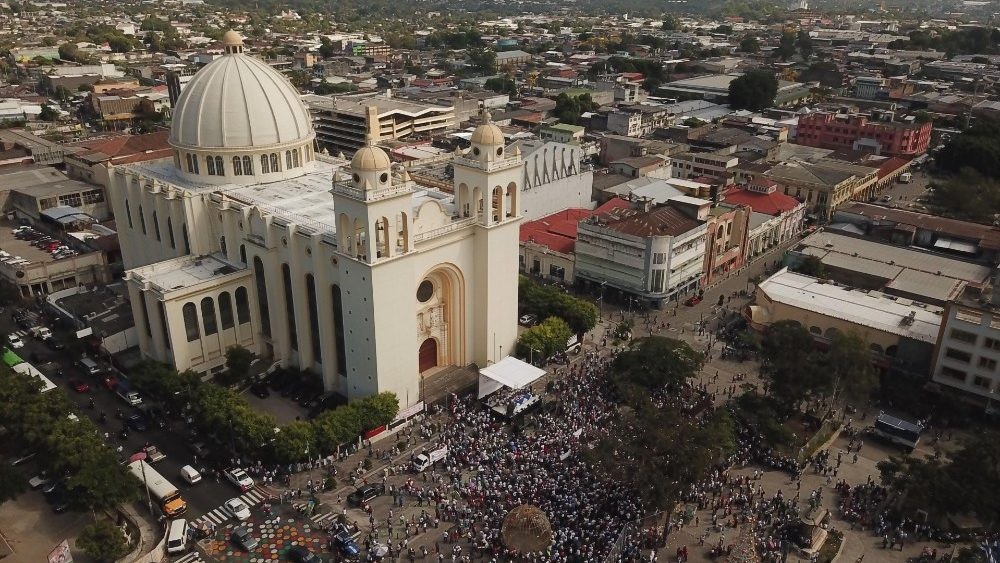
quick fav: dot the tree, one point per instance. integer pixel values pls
(786, 46)
(670, 23)
(545, 301)
(811, 266)
(48, 113)
(326, 88)
(755, 90)
(63, 93)
(543, 340)
(120, 44)
(569, 108)
(849, 370)
(238, 360)
(827, 73)
(750, 44)
(693, 122)
(502, 85)
(922, 116)
(296, 442)
(12, 483)
(788, 347)
(656, 362)
(483, 60)
(326, 48)
(969, 195)
(103, 541)
(68, 51)
(978, 148)
(804, 43)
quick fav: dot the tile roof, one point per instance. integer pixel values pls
(557, 232)
(773, 203)
(124, 149)
(665, 220)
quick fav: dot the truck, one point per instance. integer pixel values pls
(41, 332)
(167, 496)
(153, 454)
(125, 392)
(427, 459)
(905, 178)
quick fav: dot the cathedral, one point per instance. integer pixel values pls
(347, 270)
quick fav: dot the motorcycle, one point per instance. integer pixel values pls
(123, 433)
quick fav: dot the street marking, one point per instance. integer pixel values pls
(193, 557)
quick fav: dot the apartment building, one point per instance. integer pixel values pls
(876, 133)
(968, 350)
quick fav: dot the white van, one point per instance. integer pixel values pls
(177, 536)
(905, 178)
(90, 366)
(190, 474)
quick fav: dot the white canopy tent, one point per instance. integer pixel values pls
(508, 372)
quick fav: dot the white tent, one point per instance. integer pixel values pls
(508, 372)
(28, 369)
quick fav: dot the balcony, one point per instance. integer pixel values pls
(362, 194)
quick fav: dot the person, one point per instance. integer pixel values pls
(91, 402)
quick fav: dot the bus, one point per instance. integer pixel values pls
(167, 495)
(897, 430)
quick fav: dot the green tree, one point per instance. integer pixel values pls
(103, 541)
(483, 60)
(63, 93)
(502, 85)
(48, 113)
(977, 148)
(670, 23)
(849, 368)
(377, 410)
(804, 43)
(788, 348)
(238, 360)
(68, 52)
(750, 44)
(755, 90)
(296, 442)
(786, 46)
(656, 362)
(326, 48)
(922, 116)
(969, 195)
(811, 266)
(12, 483)
(543, 340)
(337, 427)
(326, 88)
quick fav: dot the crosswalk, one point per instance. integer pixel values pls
(252, 498)
(318, 519)
(193, 557)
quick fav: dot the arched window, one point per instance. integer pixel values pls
(243, 253)
(313, 318)
(156, 226)
(222, 245)
(194, 161)
(816, 330)
(211, 165)
(295, 158)
(247, 166)
(225, 310)
(242, 305)
(338, 330)
(142, 220)
(288, 160)
(274, 162)
(293, 335)
(191, 322)
(220, 169)
(128, 215)
(237, 166)
(208, 316)
(265, 166)
(188, 159)
(170, 233)
(261, 282)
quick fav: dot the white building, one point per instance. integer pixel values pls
(968, 351)
(555, 178)
(350, 272)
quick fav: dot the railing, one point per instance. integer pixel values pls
(489, 166)
(451, 227)
(370, 195)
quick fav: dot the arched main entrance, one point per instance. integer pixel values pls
(428, 354)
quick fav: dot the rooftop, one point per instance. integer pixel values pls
(664, 220)
(773, 203)
(185, 272)
(987, 236)
(870, 309)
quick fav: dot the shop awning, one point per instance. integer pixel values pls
(508, 372)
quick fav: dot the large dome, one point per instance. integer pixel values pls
(238, 101)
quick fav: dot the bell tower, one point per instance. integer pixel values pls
(373, 208)
(488, 177)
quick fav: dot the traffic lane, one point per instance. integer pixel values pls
(202, 497)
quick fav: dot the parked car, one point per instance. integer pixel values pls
(55, 345)
(153, 454)
(341, 540)
(15, 341)
(692, 301)
(137, 422)
(365, 494)
(238, 509)
(528, 320)
(239, 479)
(242, 537)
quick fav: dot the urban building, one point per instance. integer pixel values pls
(823, 185)
(776, 217)
(343, 123)
(561, 133)
(901, 334)
(557, 176)
(94, 158)
(878, 133)
(727, 238)
(720, 166)
(965, 361)
(373, 285)
(654, 254)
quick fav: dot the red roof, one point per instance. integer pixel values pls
(891, 165)
(773, 203)
(125, 149)
(557, 232)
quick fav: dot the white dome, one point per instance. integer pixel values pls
(238, 101)
(370, 159)
(488, 134)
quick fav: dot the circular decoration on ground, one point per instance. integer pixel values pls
(383, 177)
(425, 291)
(526, 529)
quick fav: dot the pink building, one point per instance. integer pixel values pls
(860, 132)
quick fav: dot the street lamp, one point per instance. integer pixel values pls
(141, 458)
(531, 355)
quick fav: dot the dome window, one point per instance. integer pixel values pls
(357, 178)
(499, 151)
(475, 151)
(383, 177)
